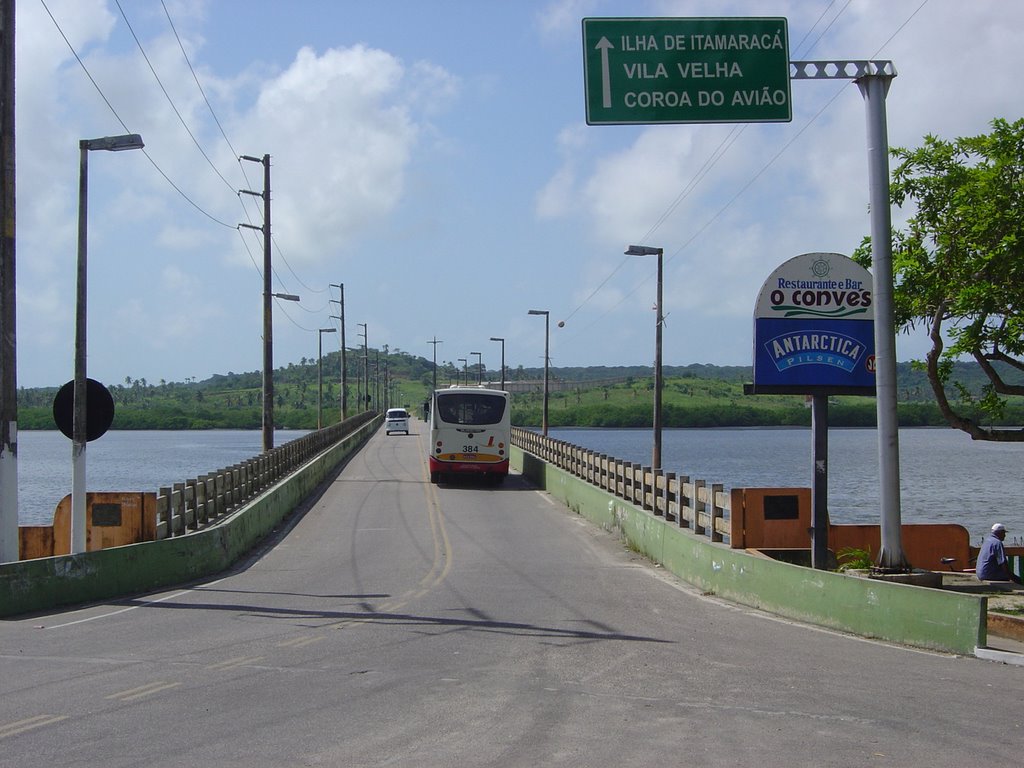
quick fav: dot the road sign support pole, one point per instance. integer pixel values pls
(873, 78)
(874, 88)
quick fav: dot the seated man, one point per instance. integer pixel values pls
(992, 562)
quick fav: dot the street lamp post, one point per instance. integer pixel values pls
(79, 433)
(659, 321)
(497, 338)
(465, 370)
(479, 368)
(547, 337)
(268, 366)
(320, 376)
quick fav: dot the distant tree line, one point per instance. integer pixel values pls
(597, 396)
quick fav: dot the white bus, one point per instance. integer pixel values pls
(470, 432)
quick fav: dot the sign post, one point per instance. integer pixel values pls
(737, 70)
(686, 70)
(814, 335)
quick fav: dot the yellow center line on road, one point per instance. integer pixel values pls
(142, 691)
(442, 545)
(28, 724)
(442, 562)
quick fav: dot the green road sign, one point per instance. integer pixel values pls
(675, 70)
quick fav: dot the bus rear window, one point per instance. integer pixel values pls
(470, 409)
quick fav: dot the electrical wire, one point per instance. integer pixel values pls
(216, 120)
(234, 152)
(114, 112)
(199, 85)
(167, 95)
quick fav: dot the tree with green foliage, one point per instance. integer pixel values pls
(958, 267)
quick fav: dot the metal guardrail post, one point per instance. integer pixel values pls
(164, 495)
(684, 502)
(699, 508)
(716, 490)
(670, 496)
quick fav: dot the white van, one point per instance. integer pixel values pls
(396, 420)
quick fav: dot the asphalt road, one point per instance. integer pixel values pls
(397, 623)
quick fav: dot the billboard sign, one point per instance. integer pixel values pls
(686, 70)
(814, 328)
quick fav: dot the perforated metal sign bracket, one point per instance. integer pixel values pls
(839, 70)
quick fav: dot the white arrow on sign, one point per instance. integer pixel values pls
(606, 86)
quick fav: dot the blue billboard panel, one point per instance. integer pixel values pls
(814, 328)
(803, 355)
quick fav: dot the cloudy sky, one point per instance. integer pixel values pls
(435, 159)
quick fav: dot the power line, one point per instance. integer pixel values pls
(199, 85)
(170, 101)
(220, 127)
(181, 119)
(113, 111)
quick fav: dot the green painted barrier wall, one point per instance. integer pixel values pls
(52, 582)
(928, 618)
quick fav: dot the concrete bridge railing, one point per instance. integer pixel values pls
(689, 503)
(202, 501)
(937, 619)
(260, 498)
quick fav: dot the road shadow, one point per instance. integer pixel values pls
(405, 620)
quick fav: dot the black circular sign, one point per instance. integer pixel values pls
(99, 409)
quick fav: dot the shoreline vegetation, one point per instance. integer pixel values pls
(602, 397)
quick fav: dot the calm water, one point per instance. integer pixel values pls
(126, 461)
(945, 476)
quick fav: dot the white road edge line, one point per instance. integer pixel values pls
(131, 607)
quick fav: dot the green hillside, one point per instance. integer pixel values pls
(598, 396)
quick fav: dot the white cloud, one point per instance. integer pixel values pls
(788, 189)
(555, 199)
(341, 139)
(560, 18)
(463, 148)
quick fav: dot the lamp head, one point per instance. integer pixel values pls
(114, 143)
(642, 250)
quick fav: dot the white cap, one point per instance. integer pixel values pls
(998, 527)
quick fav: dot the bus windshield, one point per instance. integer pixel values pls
(470, 408)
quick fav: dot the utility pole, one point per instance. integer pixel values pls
(8, 352)
(365, 405)
(376, 379)
(386, 383)
(435, 341)
(344, 369)
(268, 324)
